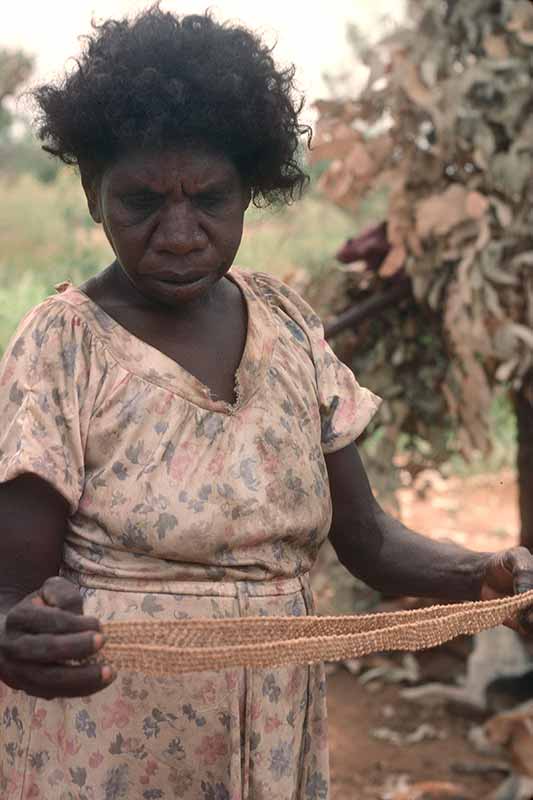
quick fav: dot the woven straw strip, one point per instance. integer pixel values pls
(192, 645)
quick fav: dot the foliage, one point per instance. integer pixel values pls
(445, 125)
(58, 241)
(297, 240)
(19, 152)
(15, 69)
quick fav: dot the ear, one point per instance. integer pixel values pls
(90, 181)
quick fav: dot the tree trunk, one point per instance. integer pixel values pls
(523, 403)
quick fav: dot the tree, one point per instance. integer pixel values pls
(19, 153)
(445, 126)
(15, 68)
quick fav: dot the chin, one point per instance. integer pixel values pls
(175, 294)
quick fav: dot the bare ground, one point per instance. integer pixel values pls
(480, 512)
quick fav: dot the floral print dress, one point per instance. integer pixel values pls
(181, 505)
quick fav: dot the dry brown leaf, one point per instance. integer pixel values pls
(496, 47)
(433, 790)
(437, 214)
(381, 148)
(514, 731)
(460, 239)
(337, 185)
(466, 371)
(464, 268)
(409, 79)
(393, 180)
(526, 37)
(344, 110)
(358, 161)
(476, 205)
(400, 221)
(394, 261)
(521, 21)
(333, 140)
(415, 245)
(503, 212)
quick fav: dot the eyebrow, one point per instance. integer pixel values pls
(220, 185)
(138, 184)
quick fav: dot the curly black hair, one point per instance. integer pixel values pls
(160, 80)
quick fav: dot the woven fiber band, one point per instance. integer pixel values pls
(192, 645)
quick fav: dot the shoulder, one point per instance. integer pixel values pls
(282, 297)
(49, 327)
(54, 313)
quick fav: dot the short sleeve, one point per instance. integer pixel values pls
(44, 399)
(346, 408)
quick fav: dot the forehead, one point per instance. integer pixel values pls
(187, 166)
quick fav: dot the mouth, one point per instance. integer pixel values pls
(172, 279)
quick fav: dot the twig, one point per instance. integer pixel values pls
(367, 308)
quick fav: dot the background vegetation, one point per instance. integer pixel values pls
(47, 236)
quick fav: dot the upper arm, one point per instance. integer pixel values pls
(45, 407)
(33, 521)
(46, 400)
(344, 405)
(355, 510)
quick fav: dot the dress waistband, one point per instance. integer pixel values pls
(275, 586)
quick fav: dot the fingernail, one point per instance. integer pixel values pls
(107, 674)
(98, 641)
(49, 598)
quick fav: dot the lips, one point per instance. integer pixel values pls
(171, 277)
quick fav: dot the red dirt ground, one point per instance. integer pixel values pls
(480, 512)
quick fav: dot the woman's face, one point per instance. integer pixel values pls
(174, 219)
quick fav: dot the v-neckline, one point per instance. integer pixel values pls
(128, 349)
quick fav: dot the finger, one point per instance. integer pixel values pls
(51, 681)
(63, 594)
(513, 624)
(28, 618)
(519, 562)
(498, 575)
(525, 621)
(51, 649)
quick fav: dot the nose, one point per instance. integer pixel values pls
(178, 231)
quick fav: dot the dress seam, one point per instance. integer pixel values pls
(304, 752)
(26, 754)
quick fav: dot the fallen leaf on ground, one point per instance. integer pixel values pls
(426, 731)
(432, 790)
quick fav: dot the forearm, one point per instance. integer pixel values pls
(393, 559)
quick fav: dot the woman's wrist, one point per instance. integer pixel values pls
(476, 570)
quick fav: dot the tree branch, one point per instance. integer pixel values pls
(367, 308)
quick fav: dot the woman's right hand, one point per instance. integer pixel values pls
(41, 634)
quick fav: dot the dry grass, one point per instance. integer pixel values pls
(47, 236)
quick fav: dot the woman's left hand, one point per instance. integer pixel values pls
(510, 572)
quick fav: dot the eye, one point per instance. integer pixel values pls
(209, 201)
(141, 201)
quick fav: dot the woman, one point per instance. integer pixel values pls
(178, 440)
